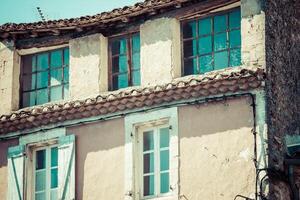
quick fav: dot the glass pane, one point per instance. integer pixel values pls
(190, 66)
(42, 79)
(235, 57)
(136, 61)
(206, 64)
(120, 81)
(66, 91)
(56, 77)
(136, 43)
(149, 185)
(220, 23)
(40, 196)
(33, 68)
(42, 96)
(164, 160)
(66, 74)
(189, 30)
(28, 64)
(164, 137)
(235, 19)
(29, 82)
(220, 41)
(40, 180)
(136, 78)
(148, 141)
(148, 163)
(54, 178)
(205, 26)
(56, 93)
(119, 64)
(190, 48)
(205, 45)
(235, 38)
(28, 99)
(221, 60)
(53, 194)
(164, 183)
(66, 56)
(40, 159)
(119, 47)
(54, 156)
(42, 61)
(56, 58)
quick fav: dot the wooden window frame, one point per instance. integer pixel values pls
(129, 53)
(196, 19)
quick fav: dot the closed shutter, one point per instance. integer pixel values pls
(16, 158)
(66, 168)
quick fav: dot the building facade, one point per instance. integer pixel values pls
(161, 100)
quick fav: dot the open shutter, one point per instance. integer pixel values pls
(66, 168)
(16, 158)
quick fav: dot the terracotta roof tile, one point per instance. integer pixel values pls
(220, 82)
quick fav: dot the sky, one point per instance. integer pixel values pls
(19, 11)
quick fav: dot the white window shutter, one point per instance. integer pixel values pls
(66, 168)
(16, 158)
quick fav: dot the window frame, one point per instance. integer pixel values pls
(129, 55)
(197, 18)
(48, 87)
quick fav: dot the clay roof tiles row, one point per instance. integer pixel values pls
(214, 83)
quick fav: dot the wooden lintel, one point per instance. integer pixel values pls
(79, 29)
(55, 32)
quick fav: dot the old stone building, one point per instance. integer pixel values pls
(165, 100)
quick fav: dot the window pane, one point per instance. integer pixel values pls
(53, 194)
(54, 156)
(235, 19)
(221, 60)
(220, 41)
(29, 82)
(119, 47)
(28, 65)
(164, 183)
(136, 61)
(42, 79)
(189, 30)
(206, 64)
(190, 66)
(220, 23)
(149, 185)
(56, 58)
(42, 96)
(56, 77)
(54, 178)
(42, 61)
(66, 56)
(235, 38)
(40, 196)
(205, 45)
(190, 48)
(56, 93)
(136, 43)
(66, 74)
(164, 160)
(148, 141)
(120, 81)
(40, 180)
(40, 159)
(28, 99)
(66, 91)
(164, 137)
(136, 78)
(119, 64)
(205, 26)
(148, 163)
(235, 57)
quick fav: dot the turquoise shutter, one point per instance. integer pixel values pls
(16, 160)
(66, 168)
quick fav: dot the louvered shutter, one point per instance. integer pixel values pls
(15, 158)
(66, 168)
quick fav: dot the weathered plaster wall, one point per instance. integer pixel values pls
(216, 150)
(9, 78)
(160, 51)
(283, 85)
(253, 33)
(100, 160)
(4, 145)
(88, 66)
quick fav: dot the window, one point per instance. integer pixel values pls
(154, 152)
(46, 173)
(124, 62)
(45, 77)
(212, 43)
